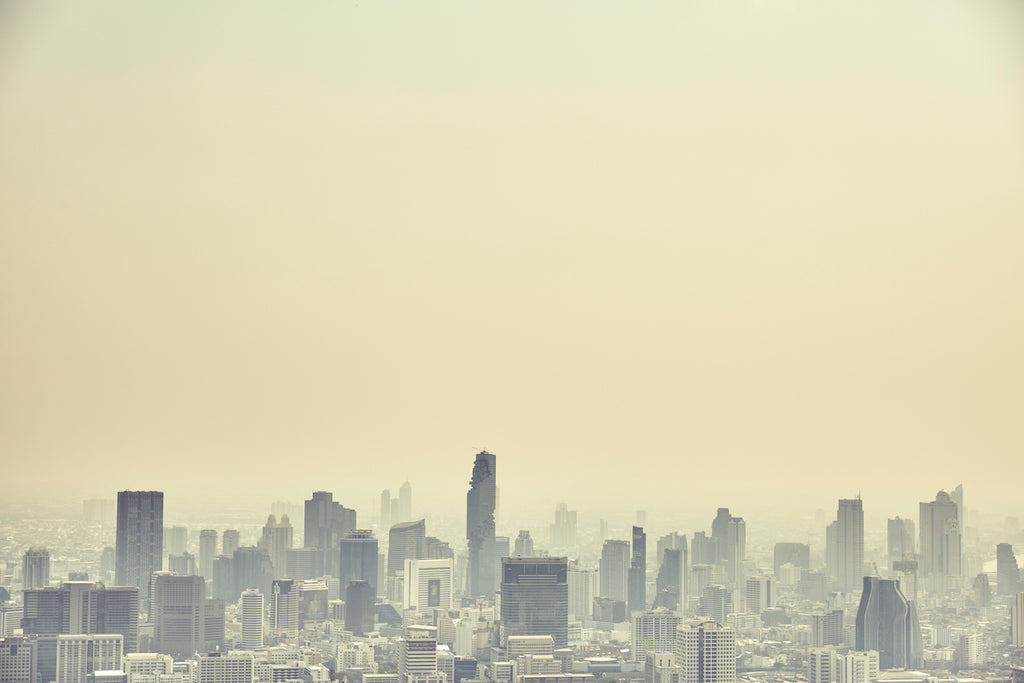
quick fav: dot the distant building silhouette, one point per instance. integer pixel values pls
(940, 537)
(230, 542)
(563, 531)
(277, 541)
(845, 546)
(359, 608)
(185, 621)
(637, 575)
(524, 544)
(35, 572)
(901, 539)
(326, 523)
(614, 574)
(796, 554)
(1007, 571)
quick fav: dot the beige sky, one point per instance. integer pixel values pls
(645, 252)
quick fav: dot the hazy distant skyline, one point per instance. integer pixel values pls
(707, 248)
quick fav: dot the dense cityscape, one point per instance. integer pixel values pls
(322, 592)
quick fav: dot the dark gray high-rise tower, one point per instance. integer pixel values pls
(480, 505)
(638, 571)
(35, 571)
(1007, 571)
(326, 523)
(887, 622)
(614, 570)
(535, 597)
(358, 558)
(138, 551)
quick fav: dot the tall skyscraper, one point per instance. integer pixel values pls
(524, 544)
(250, 614)
(481, 502)
(888, 623)
(706, 653)
(615, 562)
(716, 602)
(729, 535)
(386, 518)
(185, 621)
(846, 545)
(406, 541)
(139, 546)
(358, 558)
(940, 537)
(583, 588)
(207, 552)
(277, 540)
(35, 572)
(654, 631)
(251, 568)
(827, 629)
(671, 581)
(326, 523)
(563, 531)
(637, 577)
(285, 606)
(535, 597)
(230, 542)
(176, 539)
(1007, 571)
(405, 502)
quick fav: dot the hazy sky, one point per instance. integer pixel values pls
(650, 254)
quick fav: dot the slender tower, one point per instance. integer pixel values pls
(140, 538)
(480, 504)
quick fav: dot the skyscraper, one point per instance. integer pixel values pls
(405, 502)
(614, 574)
(277, 540)
(729, 535)
(480, 507)
(706, 653)
(887, 622)
(535, 597)
(417, 655)
(563, 531)
(139, 547)
(326, 523)
(901, 539)
(285, 606)
(940, 537)
(671, 581)
(386, 520)
(185, 621)
(250, 612)
(524, 544)
(35, 571)
(428, 584)
(406, 541)
(760, 593)
(846, 554)
(654, 631)
(358, 558)
(230, 542)
(207, 552)
(637, 576)
(1007, 571)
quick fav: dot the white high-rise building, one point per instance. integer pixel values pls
(760, 593)
(706, 653)
(859, 667)
(428, 584)
(250, 614)
(583, 586)
(80, 655)
(823, 665)
(654, 631)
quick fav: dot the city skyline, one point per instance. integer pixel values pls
(674, 238)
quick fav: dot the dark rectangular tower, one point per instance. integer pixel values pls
(480, 505)
(138, 551)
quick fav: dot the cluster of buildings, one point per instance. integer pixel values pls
(351, 602)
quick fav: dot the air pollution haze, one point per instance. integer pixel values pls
(652, 255)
